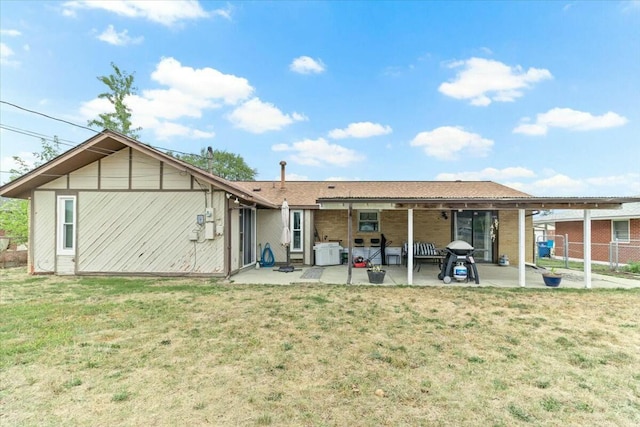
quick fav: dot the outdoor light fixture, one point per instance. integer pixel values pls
(444, 215)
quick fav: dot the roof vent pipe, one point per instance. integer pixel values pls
(282, 165)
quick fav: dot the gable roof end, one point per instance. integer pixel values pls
(102, 145)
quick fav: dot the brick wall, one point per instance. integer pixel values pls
(508, 236)
(600, 239)
(428, 226)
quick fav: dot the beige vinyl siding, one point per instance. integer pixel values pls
(43, 232)
(114, 171)
(151, 237)
(145, 172)
(269, 230)
(65, 265)
(57, 184)
(85, 178)
(175, 179)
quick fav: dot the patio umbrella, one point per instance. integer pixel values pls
(285, 240)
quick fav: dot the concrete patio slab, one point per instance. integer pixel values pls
(490, 275)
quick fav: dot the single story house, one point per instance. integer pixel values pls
(615, 235)
(113, 205)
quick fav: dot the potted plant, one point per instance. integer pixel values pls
(376, 274)
(552, 278)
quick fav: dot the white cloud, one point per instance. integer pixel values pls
(307, 65)
(168, 130)
(318, 152)
(10, 33)
(256, 116)
(491, 174)
(207, 83)
(360, 130)
(170, 104)
(7, 163)
(122, 38)
(224, 12)
(556, 185)
(166, 13)
(446, 143)
(566, 118)
(616, 185)
(5, 55)
(483, 81)
(190, 92)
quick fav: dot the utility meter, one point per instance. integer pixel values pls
(200, 219)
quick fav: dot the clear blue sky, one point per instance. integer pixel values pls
(540, 96)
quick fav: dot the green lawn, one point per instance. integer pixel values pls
(114, 351)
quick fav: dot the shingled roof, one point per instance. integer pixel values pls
(305, 194)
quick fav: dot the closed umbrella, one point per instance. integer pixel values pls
(285, 240)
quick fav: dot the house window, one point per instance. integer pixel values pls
(66, 225)
(296, 231)
(620, 230)
(368, 221)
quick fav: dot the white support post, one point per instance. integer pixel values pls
(521, 248)
(587, 248)
(350, 246)
(410, 247)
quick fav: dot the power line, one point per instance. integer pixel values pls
(48, 116)
(38, 135)
(87, 128)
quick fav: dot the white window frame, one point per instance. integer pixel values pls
(376, 221)
(299, 230)
(61, 249)
(613, 230)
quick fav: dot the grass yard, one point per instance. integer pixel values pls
(165, 352)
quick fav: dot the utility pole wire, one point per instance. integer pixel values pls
(83, 127)
(48, 116)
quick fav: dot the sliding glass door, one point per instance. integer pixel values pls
(474, 227)
(247, 236)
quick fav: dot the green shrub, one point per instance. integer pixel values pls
(633, 267)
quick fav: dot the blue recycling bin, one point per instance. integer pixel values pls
(544, 250)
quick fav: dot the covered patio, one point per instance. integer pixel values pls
(523, 206)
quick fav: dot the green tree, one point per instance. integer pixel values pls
(120, 85)
(14, 218)
(222, 163)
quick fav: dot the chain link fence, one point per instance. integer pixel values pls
(614, 254)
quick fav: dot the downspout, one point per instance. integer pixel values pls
(30, 239)
(227, 238)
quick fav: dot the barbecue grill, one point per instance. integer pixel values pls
(458, 263)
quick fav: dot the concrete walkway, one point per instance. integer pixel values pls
(490, 275)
